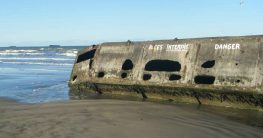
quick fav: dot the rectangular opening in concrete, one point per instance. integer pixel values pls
(146, 77)
(100, 74)
(86, 56)
(127, 65)
(204, 79)
(173, 77)
(208, 64)
(163, 65)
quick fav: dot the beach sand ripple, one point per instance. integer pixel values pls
(114, 118)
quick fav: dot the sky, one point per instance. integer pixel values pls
(86, 22)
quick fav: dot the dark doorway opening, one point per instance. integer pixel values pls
(86, 56)
(204, 79)
(101, 74)
(124, 75)
(74, 78)
(146, 77)
(174, 77)
(163, 65)
(127, 65)
(208, 64)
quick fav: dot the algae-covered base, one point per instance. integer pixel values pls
(236, 99)
(223, 71)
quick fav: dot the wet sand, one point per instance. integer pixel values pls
(116, 119)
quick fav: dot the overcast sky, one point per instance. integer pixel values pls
(84, 22)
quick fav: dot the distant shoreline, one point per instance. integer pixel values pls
(46, 46)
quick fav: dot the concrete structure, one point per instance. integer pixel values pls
(216, 70)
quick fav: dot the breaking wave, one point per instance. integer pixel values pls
(39, 52)
(23, 58)
(69, 53)
(20, 52)
(15, 54)
(61, 56)
(37, 63)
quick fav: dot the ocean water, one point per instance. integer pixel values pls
(36, 74)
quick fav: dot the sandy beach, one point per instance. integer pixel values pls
(114, 118)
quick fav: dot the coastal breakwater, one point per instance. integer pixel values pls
(217, 70)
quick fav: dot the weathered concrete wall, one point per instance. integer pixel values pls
(224, 64)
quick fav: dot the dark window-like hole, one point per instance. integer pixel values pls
(101, 74)
(174, 77)
(208, 64)
(236, 64)
(163, 65)
(127, 65)
(204, 79)
(74, 78)
(90, 63)
(237, 81)
(124, 75)
(146, 76)
(86, 56)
